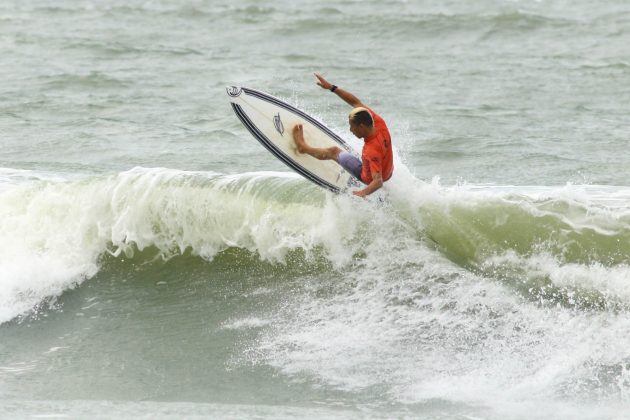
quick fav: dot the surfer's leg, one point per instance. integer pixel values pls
(350, 163)
(328, 153)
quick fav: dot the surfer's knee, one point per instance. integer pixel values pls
(333, 152)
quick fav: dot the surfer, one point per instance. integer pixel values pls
(376, 164)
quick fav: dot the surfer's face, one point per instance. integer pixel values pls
(357, 129)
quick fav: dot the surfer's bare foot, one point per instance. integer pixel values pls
(316, 152)
(298, 138)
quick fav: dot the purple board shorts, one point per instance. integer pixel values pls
(350, 163)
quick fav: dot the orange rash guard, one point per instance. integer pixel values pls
(377, 151)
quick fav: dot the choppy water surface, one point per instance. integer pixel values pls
(154, 259)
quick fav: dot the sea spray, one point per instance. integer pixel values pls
(54, 233)
(510, 315)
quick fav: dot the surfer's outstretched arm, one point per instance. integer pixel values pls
(348, 97)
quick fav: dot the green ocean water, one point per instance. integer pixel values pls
(156, 261)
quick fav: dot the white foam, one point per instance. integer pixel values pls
(52, 234)
(416, 327)
(402, 311)
(245, 323)
(440, 333)
(609, 281)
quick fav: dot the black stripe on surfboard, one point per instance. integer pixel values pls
(278, 102)
(278, 153)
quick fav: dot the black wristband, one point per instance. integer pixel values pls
(333, 88)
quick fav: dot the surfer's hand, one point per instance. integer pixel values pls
(323, 82)
(377, 182)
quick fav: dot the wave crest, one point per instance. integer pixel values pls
(53, 235)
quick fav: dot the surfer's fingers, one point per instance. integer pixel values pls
(322, 82)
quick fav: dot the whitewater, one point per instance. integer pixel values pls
(462, 294)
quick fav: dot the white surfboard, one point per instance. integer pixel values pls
(271, 121)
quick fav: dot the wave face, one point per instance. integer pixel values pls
(524, 287)
(55, 233)
(555, 243)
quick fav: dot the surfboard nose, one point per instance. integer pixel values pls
(233, 91)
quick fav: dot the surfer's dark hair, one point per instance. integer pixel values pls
(361, 116)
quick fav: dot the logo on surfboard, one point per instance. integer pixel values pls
(233, 91)
(277, 122)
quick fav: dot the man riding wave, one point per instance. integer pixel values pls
(376, 164)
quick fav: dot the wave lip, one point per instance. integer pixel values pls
(54, 234)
